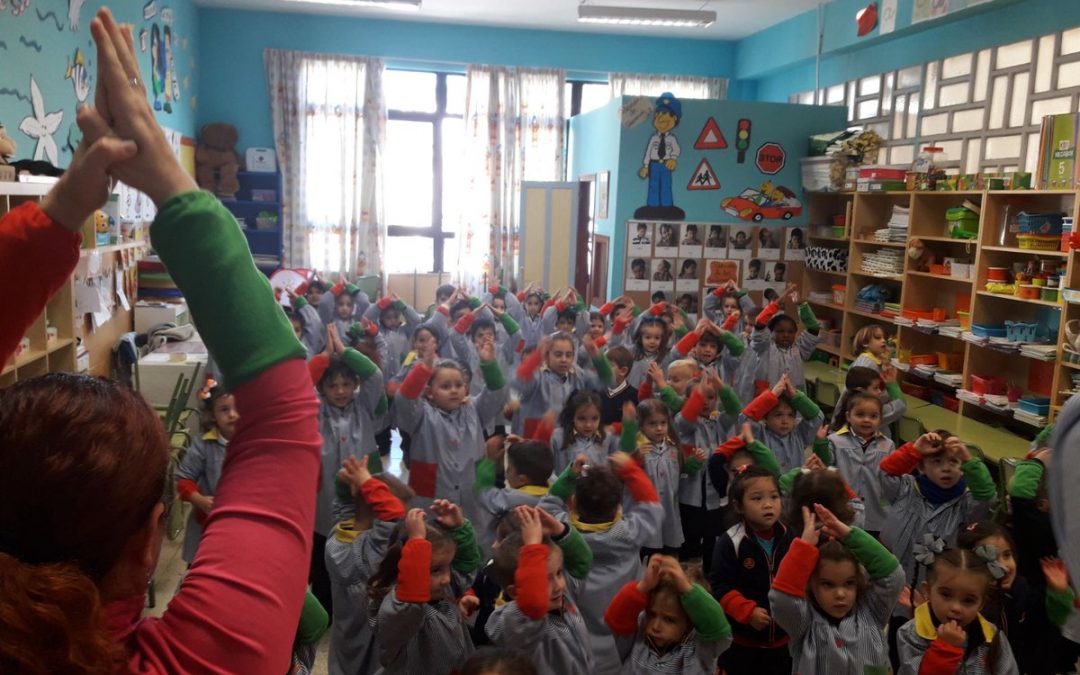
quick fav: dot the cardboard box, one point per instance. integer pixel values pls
(149, 314)
(1057, 152)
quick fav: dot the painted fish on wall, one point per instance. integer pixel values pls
(79, 76)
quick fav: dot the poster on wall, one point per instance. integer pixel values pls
(927, 10)
(690, 303)
(640, 236)
(689, 275)
(660, 161)
(795, 248)
(720, 272)
(667, 240)
(754, 279)
(716, 242)
(741, 241)
(768, 244)
(690, 244)
(776, 272)
(638, 277)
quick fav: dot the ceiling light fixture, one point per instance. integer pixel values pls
(636, 16)
(403, 5)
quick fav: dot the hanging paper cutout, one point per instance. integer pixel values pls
(710, 138)
(40, 126)
(771, 158)
(661, 157)
(79, 76)
(767, 201)
(742, 140)
(703, 178)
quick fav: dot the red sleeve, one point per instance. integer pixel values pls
(761, 405)
(529, 365)
(337, 289)
(695, 403)
(547, 304)
(719, 291)
(382, 502)
(443, 310)
(521, 296)
(464, 323)
(941, 659)
(619, 325)
(738, 606)
(384, 302)
(851, 494)
(317, 366)
(37, 256)
(644, 392)
(795, 570)
(414, 572)
(607, 308)
(600, 341)
(729, 447)
(901, 461)
(658, 308)
(730, 322)
(767, 314)
(530, 580)
(625, 608)
(392, 388)
(185, 487)
(543, 431)
(560, 306)
(264, 502)
(638, 483)
(415, 381)
(688, 342)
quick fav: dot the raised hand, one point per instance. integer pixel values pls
(467, 605)
(650, 576)
(672, 572)
(619, 460)
(448, 514)
(415, 528)
(888, 374)
(746, 433)
(495, 447)
(928, 444)
(354, 473)
(552, 526)
(830, 524)
(1057, 577)
(486, 351)
(577, 467)
(760, 618)
(814, 463)
(532, 531)
(780, 388)
(952, 633)
(656, 374)
(956, 447)
(810, 532)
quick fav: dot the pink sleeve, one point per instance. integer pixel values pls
(239, 607)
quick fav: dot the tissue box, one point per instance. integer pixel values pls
(150, 314)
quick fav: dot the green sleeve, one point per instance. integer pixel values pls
(398, 304)
(341, 489)
(352, 289)
(628, 438)
(299, 302)
(809, 320)
(636, 311)
(374, 463)
(978, 479)
(1025, 482)
(805, 406)
(787, 480)
(382, 406)
(603, 369)
(313, 621)
(874, 557)
(729, 401)
(681, 332)
(474, 302)
(823, 450)
(579, 306)
(358, 363)
(740, 293)
(1043, 436)
(764, 457)
(493, 375)
(509, 324)
(485, 474)
(563, 488)
(691, 466)
(673, 401)
(706, 615)
(895, 392)
(577, 556)
(208, 258)
(732, 342)
(469, 556)
(1059, 604)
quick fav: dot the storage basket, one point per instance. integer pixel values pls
(924, 359)
(1036, 405)
(950, 360)
(987, 384)
(950, 403)
(1037, 242)
(987, 330)
(1040, 223)
(915, 390)
(1019, 331)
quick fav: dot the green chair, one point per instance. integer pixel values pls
(909, 429)
(828, 394)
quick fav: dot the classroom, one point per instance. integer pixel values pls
(579, 336)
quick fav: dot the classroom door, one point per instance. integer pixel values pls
(598, 277)
(549, 224)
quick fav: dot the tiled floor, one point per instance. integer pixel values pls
(171, 567)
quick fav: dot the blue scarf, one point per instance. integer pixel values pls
(939, 495)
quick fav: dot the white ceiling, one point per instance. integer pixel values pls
(735, 18)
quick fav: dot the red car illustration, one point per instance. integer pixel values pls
(753, 205)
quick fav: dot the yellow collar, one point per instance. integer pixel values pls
(872, 357)
(345, 531)
(535, 490)
(594, 527)
(409, 358)
(845, 430)
(924, 624)
(212, 435)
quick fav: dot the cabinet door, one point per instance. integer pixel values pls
(549, 233)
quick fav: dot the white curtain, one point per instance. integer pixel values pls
(683, 86)
(514, 131)
(329, 121)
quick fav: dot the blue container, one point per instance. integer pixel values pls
(1036, 405)
(1040, 223)
(985, 330)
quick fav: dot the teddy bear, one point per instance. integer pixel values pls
(921, 257)
(216, 160)
(7, 151)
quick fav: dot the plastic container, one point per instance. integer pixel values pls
(987, 384)
(986, 330)
(1038, 242)
(1028, 292)
(1049, 295)
(924, 359)
(1036, 405)
(915, 390)
(839, 294)
(1040, 223)
(997, 274)
(939, 269)
(263, 195)
(950, 360)
(1020, 331)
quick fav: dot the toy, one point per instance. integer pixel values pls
(921, 257)
(217, 161)
(7, 151)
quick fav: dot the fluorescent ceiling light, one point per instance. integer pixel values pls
(637, 16)
(407, 5)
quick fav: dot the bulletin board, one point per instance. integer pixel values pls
(686, 260)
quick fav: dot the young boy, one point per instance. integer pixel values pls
(442, 294)
(396, 322)
(539, 618)
(528, 469)
(620, 392)
(786, 421)
(615, 540)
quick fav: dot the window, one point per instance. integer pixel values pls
(582, 97)
(425, 131)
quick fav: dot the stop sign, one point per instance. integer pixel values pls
(770, 158)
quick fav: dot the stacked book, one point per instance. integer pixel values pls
(968, 336)
(883, 262)
(1030, 418)
(924, 370)
(952, 331)
(1039, 352)
(896, 230)
(949, 378)
(154, 280)
(891, 310)
(868, 307)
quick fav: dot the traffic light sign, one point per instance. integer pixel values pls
(742, 139)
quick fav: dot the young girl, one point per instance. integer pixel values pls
(344, 304)
(418, 627)
(198, 475)
(668, 622)
(396, 322)
(872, 347)
(837, 629)
(746, 559)
(856, 449)
(652, 340)
(786, 420)
(580, 433)
(548, 390)
(948, 633)
(876, 383)
(662, 459)
(525, 309)
(780, 347)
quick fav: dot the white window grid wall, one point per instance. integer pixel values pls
(983, 108)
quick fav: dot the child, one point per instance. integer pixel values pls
(739, 241)
(620, 391)
(872, 347)
(539, 619)
(663, 461)
(779, 273)
(442, 294)
(198, 474)
(795, 238)
(780, 347)
(344, 304)
(856, 449)
(307, 325)
(1031, 514)
(525, 309)
(746, 559)
(352, 555)
(566, 315)
(787, 425)
(479, 327)
(753, 269)
(548, 390)
(838, 628)
(876, 383)
(498, 661)
(351, 388)
(528, 468)
(613, 535)
(666, 623)
(948, 633)
(418, 627)
(706, 342)
(651, 343)
(396, 322)
(447, 426)
(580, 432)
(817, 484)
(637, 269)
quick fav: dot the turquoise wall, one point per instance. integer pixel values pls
(41, 42)
(234, 82)
(779, 61)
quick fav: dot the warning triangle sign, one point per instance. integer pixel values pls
(703, 178)
(710, 138)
